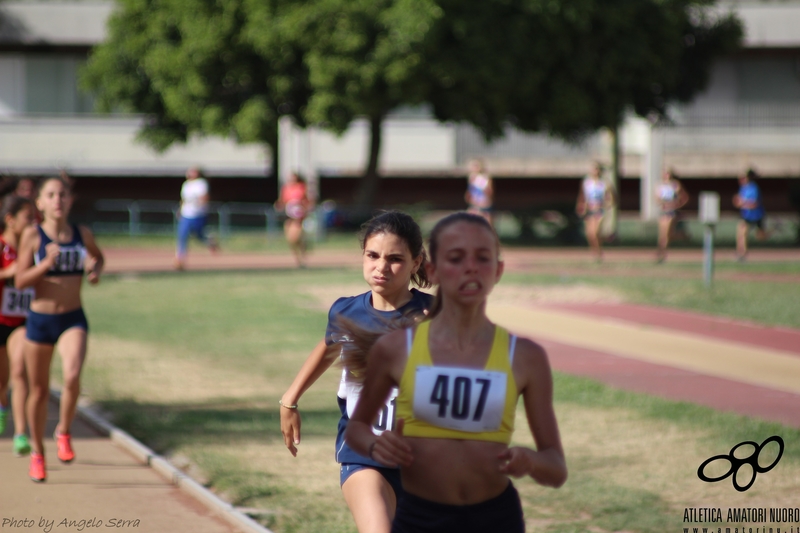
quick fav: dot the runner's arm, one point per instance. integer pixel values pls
(683, 197)
(385, 365)
(314, 366)
(546, 465)
(29, 274)
(9, 271)
(96, 259)
(580, 204)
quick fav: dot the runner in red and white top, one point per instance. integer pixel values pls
(17, 213)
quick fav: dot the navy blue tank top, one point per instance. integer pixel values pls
(359, 310)
(71, 257)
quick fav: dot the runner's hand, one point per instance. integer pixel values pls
(52, 252)
(290, 427)
(91, 268)
(515, 461)
(392, 449)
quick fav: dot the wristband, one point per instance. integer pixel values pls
(287, 406)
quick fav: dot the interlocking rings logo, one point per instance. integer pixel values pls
(737, 463)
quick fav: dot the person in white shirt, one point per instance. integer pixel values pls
(192, 215)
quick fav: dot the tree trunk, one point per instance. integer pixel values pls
(274, 144)
(367, 189)
(611, 221)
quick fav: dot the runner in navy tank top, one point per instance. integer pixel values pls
(393, 256)
(53, 258)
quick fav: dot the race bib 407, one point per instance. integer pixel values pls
(460, 398)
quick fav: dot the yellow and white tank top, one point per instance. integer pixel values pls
(449, 402)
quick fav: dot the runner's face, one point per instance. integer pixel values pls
(388, 264)
(54, 200)
(466, 263)
(17, 223)
(25, 189)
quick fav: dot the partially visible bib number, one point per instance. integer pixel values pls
(460, 398)
(16, 302)
(386, 415)
(70, 259)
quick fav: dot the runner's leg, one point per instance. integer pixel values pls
(371, 500)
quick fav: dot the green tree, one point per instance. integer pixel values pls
(365, 58)
(190, 68)
(232, 67)
(572, 67)
(569, 68)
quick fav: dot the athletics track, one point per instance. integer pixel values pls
(724, 364)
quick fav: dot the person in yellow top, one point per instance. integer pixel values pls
(459, 378)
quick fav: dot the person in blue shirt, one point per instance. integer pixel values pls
(748, 200)
(393, 257)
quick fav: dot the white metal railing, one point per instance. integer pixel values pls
(222, 211)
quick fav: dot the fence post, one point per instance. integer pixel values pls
(272, 221)
(133, 219)
(224, 214)
(322, 228)
(709, 216)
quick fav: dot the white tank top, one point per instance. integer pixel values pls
(594, 191)
(667, 192)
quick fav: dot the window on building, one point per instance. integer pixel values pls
(51, 85)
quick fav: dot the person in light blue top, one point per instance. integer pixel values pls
(748, 200)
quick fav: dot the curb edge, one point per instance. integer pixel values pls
(167, 470)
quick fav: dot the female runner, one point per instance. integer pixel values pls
(459, 378)
(17, 213)
(480, 190)
(296, 204)
(671, 196)
(53, 257)
(393, 256)
(593, 198)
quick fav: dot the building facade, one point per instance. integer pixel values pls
(748, 116)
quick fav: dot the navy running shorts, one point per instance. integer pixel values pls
(392, 475)
(46, 329)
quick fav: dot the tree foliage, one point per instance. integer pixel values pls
(233, 67)
(190, 66)
(569, 68)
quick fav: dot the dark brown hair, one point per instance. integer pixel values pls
(12, 205)
(360, 340)
(402, 225)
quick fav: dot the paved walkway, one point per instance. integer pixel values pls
(727, 365)
(105, 487)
